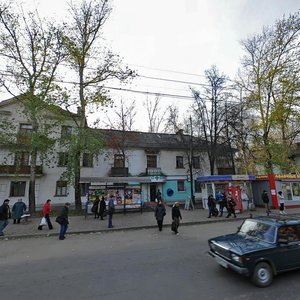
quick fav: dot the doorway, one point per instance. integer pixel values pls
(152, 192)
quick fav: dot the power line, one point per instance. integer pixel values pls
(158, 94)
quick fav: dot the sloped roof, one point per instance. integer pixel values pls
(20, 98)
(151, 141)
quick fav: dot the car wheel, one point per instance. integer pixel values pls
(262, 275)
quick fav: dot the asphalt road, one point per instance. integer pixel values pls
(142, 264)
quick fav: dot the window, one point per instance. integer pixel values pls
(66, 131)
(21, 158)
(151, 161)
(119, 161)
(87, 160)
(84, 188)
(197, 185)
(62, 159)
(196, 162)
(17, 188)
(24, 133)
(61, 188)
(25, 128)
(180, 186)
(179, 162)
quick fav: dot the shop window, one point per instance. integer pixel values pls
(61, 188)
(62, 159)
(196, 162)
(151, 161)
(179, 162)
(180, 186)
(87, 160)
(119, 161)
(197, 185)
(296, 189)
(17, 188)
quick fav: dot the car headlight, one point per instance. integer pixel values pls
(236, 258)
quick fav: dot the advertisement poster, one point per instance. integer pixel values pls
(236, 195)
(131, 196)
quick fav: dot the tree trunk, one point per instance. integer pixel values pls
(78, 205)
(31, 195)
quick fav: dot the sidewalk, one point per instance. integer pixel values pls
(128, 221)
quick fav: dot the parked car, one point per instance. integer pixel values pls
(261, 248)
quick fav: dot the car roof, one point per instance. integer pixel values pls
(278, 220)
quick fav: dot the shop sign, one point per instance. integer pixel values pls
(157, 179)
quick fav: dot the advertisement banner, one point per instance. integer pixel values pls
(236, 195)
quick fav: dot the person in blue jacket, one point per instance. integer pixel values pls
(18, 210)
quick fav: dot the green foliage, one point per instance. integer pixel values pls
(271, 79)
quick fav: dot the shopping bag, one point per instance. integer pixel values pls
(43, 221)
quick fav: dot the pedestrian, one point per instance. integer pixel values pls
(18, 210)
(160, 212)
(95, 207)
(46, 215)
(64, 221)
(218, 198)
(265, 199)
(111, 210)
(281, 202)
(4, 215)
(211, 203)
(102, 208)
(158, 195)
(223, 204)
(176, 217)
(230, 206)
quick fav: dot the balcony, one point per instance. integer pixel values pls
(119, 172)
(12, 170)
(153, 171)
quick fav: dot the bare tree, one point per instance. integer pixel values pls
(122, 118)
(210, 114)
(155, 115)
(173, 123)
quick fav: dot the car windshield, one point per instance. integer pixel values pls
(258, 230)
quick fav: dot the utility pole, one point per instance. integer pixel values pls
(191, 150)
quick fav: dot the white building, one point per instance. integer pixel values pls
(132, 165)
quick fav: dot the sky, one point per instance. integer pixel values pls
(177, 40)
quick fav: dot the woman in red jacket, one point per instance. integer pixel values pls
(46, 214)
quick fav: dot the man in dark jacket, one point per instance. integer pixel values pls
(176, 215)
(160, 212)
(102, 208)
(111, 210)
(64, 221)
(4, 215)
(265, 199)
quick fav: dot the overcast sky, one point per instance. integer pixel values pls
(186, 37)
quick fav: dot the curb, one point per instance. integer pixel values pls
(132, 228)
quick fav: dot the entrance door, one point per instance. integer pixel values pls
(152, 192)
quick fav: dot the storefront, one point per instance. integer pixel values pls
(289, 184)
(238, 185)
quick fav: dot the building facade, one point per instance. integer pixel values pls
(137, 167)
